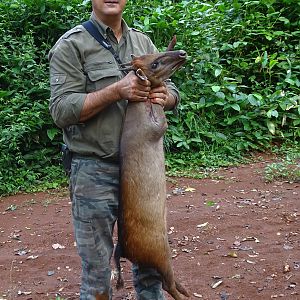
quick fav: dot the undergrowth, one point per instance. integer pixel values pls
(239, 88)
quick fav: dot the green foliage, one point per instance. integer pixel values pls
(239, 87)
(285, 170)
(29, 142)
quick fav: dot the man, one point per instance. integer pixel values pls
(88, 101)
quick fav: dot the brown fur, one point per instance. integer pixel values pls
(102, 297)
(143, 232)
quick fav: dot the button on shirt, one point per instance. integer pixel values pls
(80, 65)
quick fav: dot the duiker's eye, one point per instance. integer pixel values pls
(154, 65)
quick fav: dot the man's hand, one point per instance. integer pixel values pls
(134, 89)
(160, 95)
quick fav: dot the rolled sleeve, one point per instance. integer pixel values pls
(67, 84)
(174, 91)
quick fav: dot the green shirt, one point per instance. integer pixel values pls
(80, 65)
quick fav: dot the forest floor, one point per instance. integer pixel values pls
(232, 236)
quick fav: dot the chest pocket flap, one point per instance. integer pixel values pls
(101, 69)
(101, 74)
(95, 75)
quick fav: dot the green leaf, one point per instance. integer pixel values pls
(236, 107)
(210, 203)
(271, 127)
(52, 133)
(146, 21)
(257, 59)
(272, 63)
(252, 100)
(220, 95)
(221, 136)
(231, 88)
(272, 113)
(265, 59)
(216, 88)
(285, 20)
(258, 96)
(195, 33)
(218, 72)
(290, 81)
(202, 102)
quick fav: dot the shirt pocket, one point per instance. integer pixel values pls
(56, 82)
(100, 75)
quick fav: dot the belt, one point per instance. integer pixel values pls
(96, 157)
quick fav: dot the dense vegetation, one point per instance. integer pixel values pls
(240, 86)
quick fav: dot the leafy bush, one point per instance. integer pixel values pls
(240, 86)
(29, 142)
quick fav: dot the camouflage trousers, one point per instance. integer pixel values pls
(94, 191)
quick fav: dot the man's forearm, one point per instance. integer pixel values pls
(97, 101)
(130, 87)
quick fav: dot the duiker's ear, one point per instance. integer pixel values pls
(172, 44)
(139, 73)
(133, 56)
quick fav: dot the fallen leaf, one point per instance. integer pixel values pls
(197, 295)
(15, 236)
(232, 254)
(186, 250)
(252, 255)
(250, 262)
(251, 238)
(297, 265)
(171, 230)
(224, 296)
(286, 268)
(178, 191)
(50, 273)
(11, 208)
(24, 293)
(113, 275)
(174, 253)
(292, 285)
(216, 284)
(57, 246)
(287, 247)
(202, 225)
(21, 252)
(32, 257)
(245, 248)
(190, 189)
(237, 276)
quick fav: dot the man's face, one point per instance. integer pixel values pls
(105, 8)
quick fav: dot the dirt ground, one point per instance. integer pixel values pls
(232, 237)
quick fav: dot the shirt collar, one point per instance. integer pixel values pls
(104, 28)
